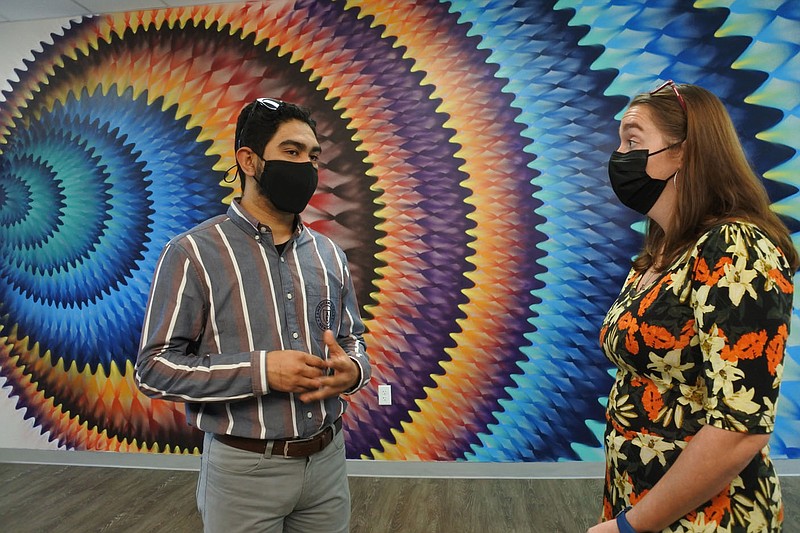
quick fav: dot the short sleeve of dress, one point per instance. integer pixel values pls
(741, 294)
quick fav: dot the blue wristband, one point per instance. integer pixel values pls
(622, 522)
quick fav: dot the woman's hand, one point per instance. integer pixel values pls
(604, 527)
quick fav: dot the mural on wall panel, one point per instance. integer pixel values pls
(464, 174)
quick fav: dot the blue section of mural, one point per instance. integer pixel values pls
(92, 173)
(570, 85)
(570, 128)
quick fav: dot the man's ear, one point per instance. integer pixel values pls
(247, 161)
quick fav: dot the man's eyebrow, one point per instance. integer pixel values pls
(300, 146)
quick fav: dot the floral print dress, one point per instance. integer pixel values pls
(702, 344)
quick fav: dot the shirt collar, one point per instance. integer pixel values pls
(242, 218)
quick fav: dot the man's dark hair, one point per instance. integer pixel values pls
(255, 127)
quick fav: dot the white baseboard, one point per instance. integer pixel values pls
(355, 467)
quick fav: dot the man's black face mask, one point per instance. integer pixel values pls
(288, 185)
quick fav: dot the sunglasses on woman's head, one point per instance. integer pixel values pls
(674, 87)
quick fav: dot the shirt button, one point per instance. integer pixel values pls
(283, 260)
(289, 295)
(258, 237)
(308, 415)
(295, 335)
(263, 229)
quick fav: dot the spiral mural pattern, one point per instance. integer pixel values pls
(464, 174)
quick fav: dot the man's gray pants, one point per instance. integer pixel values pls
(241, 491)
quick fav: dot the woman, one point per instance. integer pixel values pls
(699, 329)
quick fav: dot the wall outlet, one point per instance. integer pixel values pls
(384, 395)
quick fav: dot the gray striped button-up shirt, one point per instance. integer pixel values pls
(222, 297)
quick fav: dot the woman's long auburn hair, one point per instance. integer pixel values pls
(716, 183)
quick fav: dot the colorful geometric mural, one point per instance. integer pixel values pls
(464, 173)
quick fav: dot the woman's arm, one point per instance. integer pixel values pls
(712, 459)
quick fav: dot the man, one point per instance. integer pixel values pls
(253, 322)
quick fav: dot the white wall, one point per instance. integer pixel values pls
(18, 40)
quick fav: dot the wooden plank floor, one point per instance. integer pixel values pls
(38, 498)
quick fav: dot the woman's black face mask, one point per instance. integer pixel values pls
(630, 181)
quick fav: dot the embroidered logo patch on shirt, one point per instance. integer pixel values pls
(325, 314)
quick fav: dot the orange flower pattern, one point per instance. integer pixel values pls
(703, 344)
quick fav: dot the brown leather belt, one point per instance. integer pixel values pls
(286, 448)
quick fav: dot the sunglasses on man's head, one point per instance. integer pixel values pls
(674, 87)
(271, 104)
